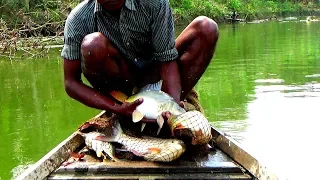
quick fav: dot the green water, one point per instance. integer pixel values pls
(263, 89)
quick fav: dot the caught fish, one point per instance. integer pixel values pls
(149, 148)
(101, 148)
(155, 102)
(194, 125)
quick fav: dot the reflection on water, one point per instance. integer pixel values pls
(262, 89)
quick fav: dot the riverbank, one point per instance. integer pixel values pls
(45, 21)
(224, 10)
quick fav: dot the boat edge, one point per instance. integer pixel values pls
(54, 158)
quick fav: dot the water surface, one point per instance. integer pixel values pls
(262, 88)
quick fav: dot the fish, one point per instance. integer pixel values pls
(194, 123)
(155, 102)
(149, 148)
(102, 148)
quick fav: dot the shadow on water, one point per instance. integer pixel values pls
(262, 88)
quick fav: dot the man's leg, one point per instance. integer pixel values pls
(103, 66)
(196, 45)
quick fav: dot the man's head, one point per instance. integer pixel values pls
(111, 5)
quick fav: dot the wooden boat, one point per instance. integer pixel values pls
(227, 161)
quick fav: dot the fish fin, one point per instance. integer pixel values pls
(160, 122)
(102, 138)
(155, 87)
(111, 157)
(118, 95)
(154, 150)
(75, 155)
(137, 116)
(143, 125)
(179, 126)
(99, 153)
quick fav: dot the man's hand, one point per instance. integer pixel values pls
(127, 109)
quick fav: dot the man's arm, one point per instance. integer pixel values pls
(170, 74)
(89, 96)
(74, 32)
(165, 52)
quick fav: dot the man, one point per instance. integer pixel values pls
(119, 44)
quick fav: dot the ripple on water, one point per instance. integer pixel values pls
(313, 76)
(271, 81)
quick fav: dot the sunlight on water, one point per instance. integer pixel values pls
(281, 129)
(273, 109)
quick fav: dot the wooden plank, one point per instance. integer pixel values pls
(214, 165)
(213, 162)
(242, 157)
(204, 176)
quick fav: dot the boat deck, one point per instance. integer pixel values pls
(210, 165)
(226, 160)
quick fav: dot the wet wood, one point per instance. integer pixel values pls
(204, 176)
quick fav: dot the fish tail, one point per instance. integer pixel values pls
(119, 96)
(109, 151)
(156, 86)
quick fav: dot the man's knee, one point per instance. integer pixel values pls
(93, 47)
(207, 27)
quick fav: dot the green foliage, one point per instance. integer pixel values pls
(17, 12)
(233, 5)
(245, 8)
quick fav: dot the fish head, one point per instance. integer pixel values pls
(172, 107)
(166, 152)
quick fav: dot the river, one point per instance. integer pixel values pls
(262, 88)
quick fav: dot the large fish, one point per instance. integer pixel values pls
(155, 102)
(149, 148)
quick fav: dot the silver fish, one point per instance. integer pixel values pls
(149, 148)
(155, 102)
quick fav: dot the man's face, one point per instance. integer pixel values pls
(111, 5)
